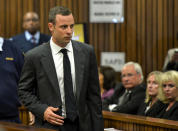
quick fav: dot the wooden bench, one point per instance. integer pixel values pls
(125, 122)
(24, 116)
(129, 122)
(7, 126)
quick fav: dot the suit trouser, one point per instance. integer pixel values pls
(70, 125)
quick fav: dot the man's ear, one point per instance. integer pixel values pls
(51, 27)
(139, 75)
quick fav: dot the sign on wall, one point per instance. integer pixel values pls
(106, 11)
(114, 59)
(78, 33)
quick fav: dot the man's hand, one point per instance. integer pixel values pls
(31, 119)
(53, 118)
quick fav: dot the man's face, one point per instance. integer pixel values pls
(130, 78)
(31, 22)
(62, 30)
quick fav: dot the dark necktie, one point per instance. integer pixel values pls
(124, 98)
(33, 40)
(70, 102)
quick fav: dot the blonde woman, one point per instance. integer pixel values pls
(152, 105)
(170, 90)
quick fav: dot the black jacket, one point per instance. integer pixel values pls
(153, 111)
(131, 107)
(171, 114)
(39, 73)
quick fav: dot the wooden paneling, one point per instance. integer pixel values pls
(175, 26)
(124, 122)
(24, 115)
(150, 27)
(129, 122)
(9, 126)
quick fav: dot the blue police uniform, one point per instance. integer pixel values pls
(11, 62)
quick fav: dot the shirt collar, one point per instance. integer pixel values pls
(55, 48)
(28, 36)
(1, 43)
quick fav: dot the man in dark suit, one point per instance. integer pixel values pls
(45, 72)
(131, 92)
(32, 36)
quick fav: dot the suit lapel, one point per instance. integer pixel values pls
(24, 38)
(25, 44)
(41, 39)
(171, 110)
(48, 64)
(79, 66)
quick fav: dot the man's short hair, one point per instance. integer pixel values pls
(61, 10)
(137, 68)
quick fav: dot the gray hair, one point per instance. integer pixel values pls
(169, 56)
(61, 10)
(137, 68)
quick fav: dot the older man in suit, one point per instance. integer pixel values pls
(131, 92)
(32, 36)
(64, 74)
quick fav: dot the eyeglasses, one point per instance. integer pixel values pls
(168, 85)
(127, 75)
(33, 20)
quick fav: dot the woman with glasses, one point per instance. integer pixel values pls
(170, 90)
(152, 104)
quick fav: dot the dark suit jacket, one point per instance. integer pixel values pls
(131, 107)
(39, 72)
(173, 65)
(172, 114)
(153, 111)
(24, 45)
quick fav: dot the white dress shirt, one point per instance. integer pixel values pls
(58, 61)
(1, 43)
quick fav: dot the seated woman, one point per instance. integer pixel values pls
(107, 79)
(170, 90)
(152, 105)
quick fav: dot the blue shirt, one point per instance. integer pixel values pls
(24, 43)
(29, 36)
(11, 62)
